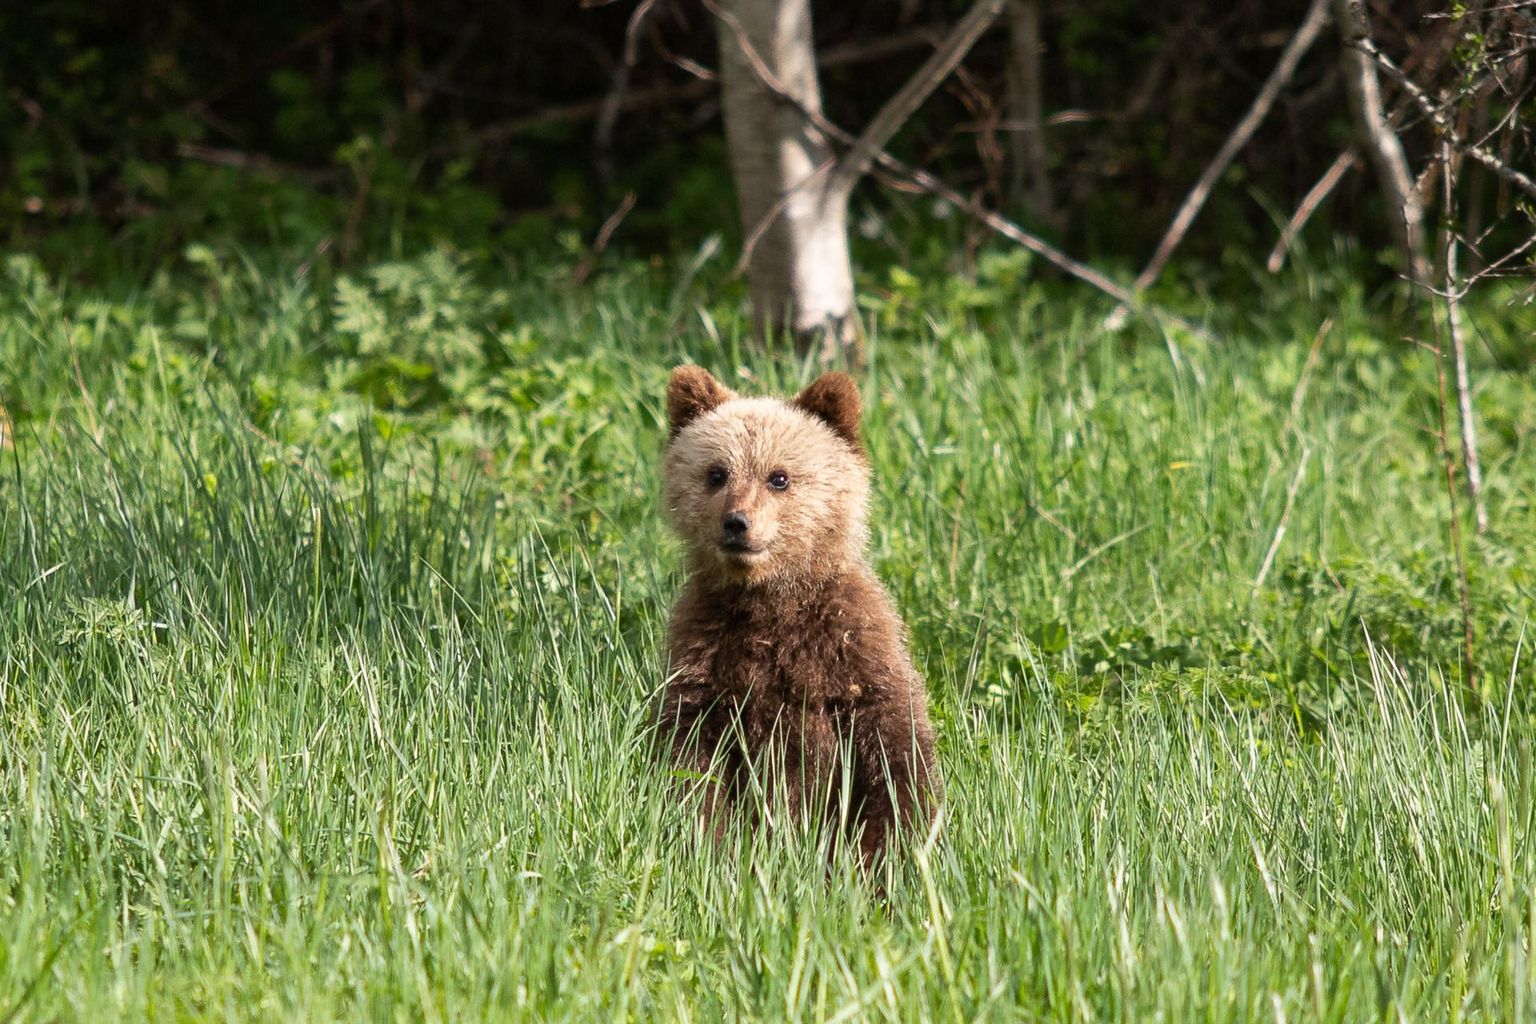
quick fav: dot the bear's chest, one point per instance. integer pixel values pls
(804, 664)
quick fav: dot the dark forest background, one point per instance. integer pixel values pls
(140, 125)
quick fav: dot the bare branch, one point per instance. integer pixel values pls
(1436, 113)
(604, 236)
(1309, 204)
(810, 181)
(929, 183)
(613, 103)
(889, 118)
(1306, 34)
(1037, 245)
(1285, 518)
(1375, 135)
(1468, 655)
(1299, 395)
(255, 162)
(845, 55)
(1492, 269)
(1465, 414)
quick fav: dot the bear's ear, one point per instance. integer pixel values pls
(833, 398)
(690, 394)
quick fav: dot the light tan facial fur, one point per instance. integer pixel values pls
(806, 531)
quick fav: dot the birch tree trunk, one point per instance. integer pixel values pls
(1029, 178)
(796, 226)
(1375, 136)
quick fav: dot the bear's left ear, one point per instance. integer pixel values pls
(833, 398)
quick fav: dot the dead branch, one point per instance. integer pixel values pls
(1285, 518)
(255, 163)
(1285, 68)
(604, 236)
(582, 110)
(1468, 658)
(932, 185)
(1452, 297)
(348, 245)
(1309, 204)
(608, 115)
(1492, 269)
(1375, 135)
(1008, 229)
(1298, 398)
(1299, 395)
(845, 55)
(889, 119)
(748, 247)
(1436, 113)
(1142, 98)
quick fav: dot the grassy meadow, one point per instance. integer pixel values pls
(331, 611)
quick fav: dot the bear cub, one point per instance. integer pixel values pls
(788, 662)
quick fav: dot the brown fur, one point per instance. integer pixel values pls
(692, 391)
(834, 399)
(787, 656)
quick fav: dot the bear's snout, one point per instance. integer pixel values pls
(734, 529)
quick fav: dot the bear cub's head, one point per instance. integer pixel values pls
(766, 491)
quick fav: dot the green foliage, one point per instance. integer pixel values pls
(335, 621)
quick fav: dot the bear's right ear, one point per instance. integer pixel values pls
(690, 394)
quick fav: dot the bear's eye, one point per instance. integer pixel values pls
(778, 479)
(716, 476)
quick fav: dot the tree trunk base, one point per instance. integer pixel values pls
(836, 342)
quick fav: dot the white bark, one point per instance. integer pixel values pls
(1454, 326)
(1375, 136)
(798, 272)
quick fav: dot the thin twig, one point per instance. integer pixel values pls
(1119, 538)
(1490, 269)
(1300, 394)
(748, 247)
(1309, 204)
(1285, 518)
(604, 236)
(359, 203)
(1468, 658)
(846, 55)
(932, 185)
(1298, 399)
(1465, 414)
(889, 119)
(1443, 123)
(1306, 34)
(1008, 229)
(608, 116)
(254, 162)
(317, 34)
(1377, 138)
(88, 402)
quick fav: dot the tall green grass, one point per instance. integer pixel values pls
(328, 642)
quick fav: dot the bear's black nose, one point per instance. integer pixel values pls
(735, 525)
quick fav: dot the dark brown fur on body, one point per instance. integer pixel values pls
(788, 659)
